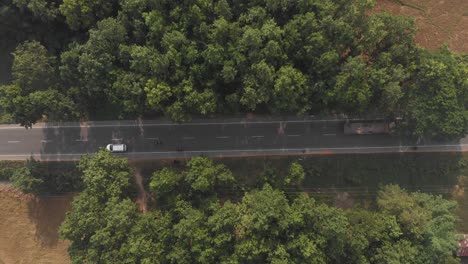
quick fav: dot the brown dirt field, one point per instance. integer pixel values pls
(29, 228)
(439, 22)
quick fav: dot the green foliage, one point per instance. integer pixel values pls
(103, 214)
(425, 220)
(202, 175)
(146, 58)
(26, 182)
(82, 14)
(258, 226)
(32, 107)
(46, 177)
(290, 91)
(8, 168)
(351, 90)
(105, 176)
(296, 174)
(436, 102)
(31, 68)
(157, 94)
(164, 182)
(91, 68)
(44, 9)
(34, 92)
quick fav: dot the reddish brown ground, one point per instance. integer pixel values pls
(439, 22)
(29, 228)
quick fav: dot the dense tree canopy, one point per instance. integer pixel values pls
(126, 59)
(200, 215)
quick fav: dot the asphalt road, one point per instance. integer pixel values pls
(215, 138)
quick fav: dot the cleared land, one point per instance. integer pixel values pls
(439, 22)
(29, 228)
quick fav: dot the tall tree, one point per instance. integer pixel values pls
(103, 213)
(436, 106)
(32, 69)
(83, 14)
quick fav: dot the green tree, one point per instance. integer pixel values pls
(204, 176)
(41, 178)
(29, 108)
(426, 221)
(32, 69)
(25, 179)
(370, 234)
(436, 108)
(103, 214)
(127, 93)
(352, 91)
(91, 71)
(105, 176)
(157, 95)
(34, 93)
(192, 220)
(149, 240)
(295, 174)
(258, 85)
(46, 10)
(290, 91)
(164, 182)
(83, 14)
(264, 218)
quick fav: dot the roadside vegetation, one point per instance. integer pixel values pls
(201, 215)
(223, 206)
(42, 178)
(118, 59)
(125, 59)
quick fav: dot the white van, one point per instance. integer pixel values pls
(116, 147)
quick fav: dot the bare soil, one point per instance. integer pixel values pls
(439, 22)
(29, 227)
(142, 196)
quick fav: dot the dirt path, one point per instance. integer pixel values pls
(142, 197)
(29, 228)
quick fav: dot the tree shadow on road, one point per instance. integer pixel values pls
(63, 140)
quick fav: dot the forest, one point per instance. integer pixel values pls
(201, 214)
(70, 60)
(124, 59)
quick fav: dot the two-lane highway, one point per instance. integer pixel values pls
(216, 138)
